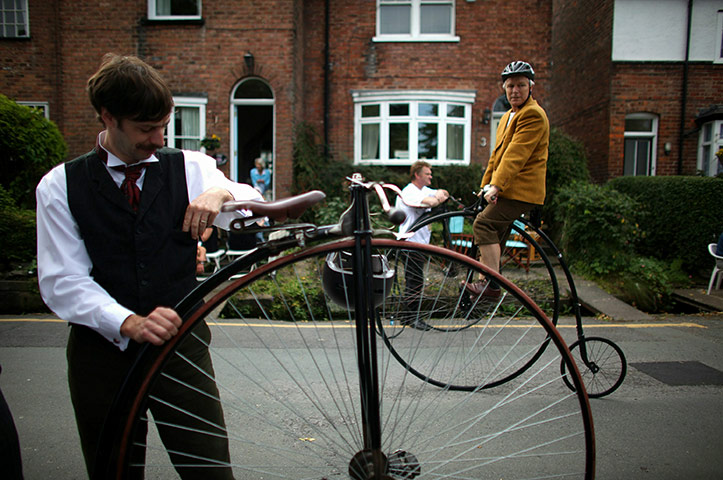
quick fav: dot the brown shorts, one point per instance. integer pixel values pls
(492, 223)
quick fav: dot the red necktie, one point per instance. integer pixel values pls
(129, 187)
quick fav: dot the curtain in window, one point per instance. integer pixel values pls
(435, 19)
(370, 141)
(163, 7)
(455, 142)
(395, 19)
(190, 129)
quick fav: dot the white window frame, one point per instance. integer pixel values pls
(415, 24)
(188, 102)
(384, 99)
(718, 55)
(710, 166)
(23, 8)
(652, 135)
(153, 16)
(42, 106)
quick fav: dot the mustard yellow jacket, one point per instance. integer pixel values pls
(519, 161)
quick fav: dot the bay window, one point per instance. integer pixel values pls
(401, 127)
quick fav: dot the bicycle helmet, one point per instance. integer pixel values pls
(338, 278)
(518, 68)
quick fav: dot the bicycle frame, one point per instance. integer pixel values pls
(477, 207)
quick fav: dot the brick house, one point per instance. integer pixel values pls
(387, 81)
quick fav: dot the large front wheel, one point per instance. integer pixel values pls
(281, 395)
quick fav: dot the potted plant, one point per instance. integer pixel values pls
(211, 143)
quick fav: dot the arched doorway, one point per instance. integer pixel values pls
(253, 128)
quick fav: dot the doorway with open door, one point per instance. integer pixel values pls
(253, 120)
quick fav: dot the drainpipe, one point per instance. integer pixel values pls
(684, 97)
(326, 78)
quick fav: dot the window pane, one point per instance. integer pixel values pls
(428, 109)
(187, 128)
(435, 19)
(184, 7)
(629, 164)
(370, 110)
(705, 164)
(641, 163)
(399, 140)
(427, 136)
(707, 131)
(395, 19)
(455, 142)
(399, 110)
(456, 111)
(253, 88)
(370, 141)
(638, 124)
(637, 156)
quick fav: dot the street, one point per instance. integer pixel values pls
(665, 421)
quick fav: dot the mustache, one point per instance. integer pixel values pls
(148, 146)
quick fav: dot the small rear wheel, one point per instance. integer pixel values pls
(601, 363)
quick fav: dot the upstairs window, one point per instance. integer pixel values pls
(188, 123)
(641, 139)
(415, 20)
(718, 58)
(399, 128)
(14, 19)
(174, 9)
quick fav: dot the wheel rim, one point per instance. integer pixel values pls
(290, 388)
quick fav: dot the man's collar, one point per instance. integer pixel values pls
(109, 158)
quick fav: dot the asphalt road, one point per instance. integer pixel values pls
(665, 422)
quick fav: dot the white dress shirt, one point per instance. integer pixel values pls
(64, 265)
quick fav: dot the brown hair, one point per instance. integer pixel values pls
(416, 167)
(129, 88)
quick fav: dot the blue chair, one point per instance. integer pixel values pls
(461, 242)
(517, 250)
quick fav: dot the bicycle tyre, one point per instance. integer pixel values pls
(286, 373)
(604, 370)
(539, 281)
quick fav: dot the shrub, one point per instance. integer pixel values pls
(566, 164)
(17, 231)
(29, 146)
(599, 225)
(683, 216)
(600, 232)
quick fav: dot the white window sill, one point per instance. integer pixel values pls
(410, 39)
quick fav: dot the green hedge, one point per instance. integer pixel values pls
(17, 232)
(683, 215)
(29, 147)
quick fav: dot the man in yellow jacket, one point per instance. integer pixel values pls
(514, 181)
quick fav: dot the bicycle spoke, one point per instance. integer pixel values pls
(286, 373)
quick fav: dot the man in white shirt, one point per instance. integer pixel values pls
(117, 235)
(417, 198)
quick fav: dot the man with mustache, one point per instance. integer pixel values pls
(117, 234)
(514, 181)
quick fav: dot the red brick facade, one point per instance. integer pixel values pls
(591, 94)
(585, 93)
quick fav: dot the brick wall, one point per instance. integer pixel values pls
(580, 95)
(66, 48)
(492, 33)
